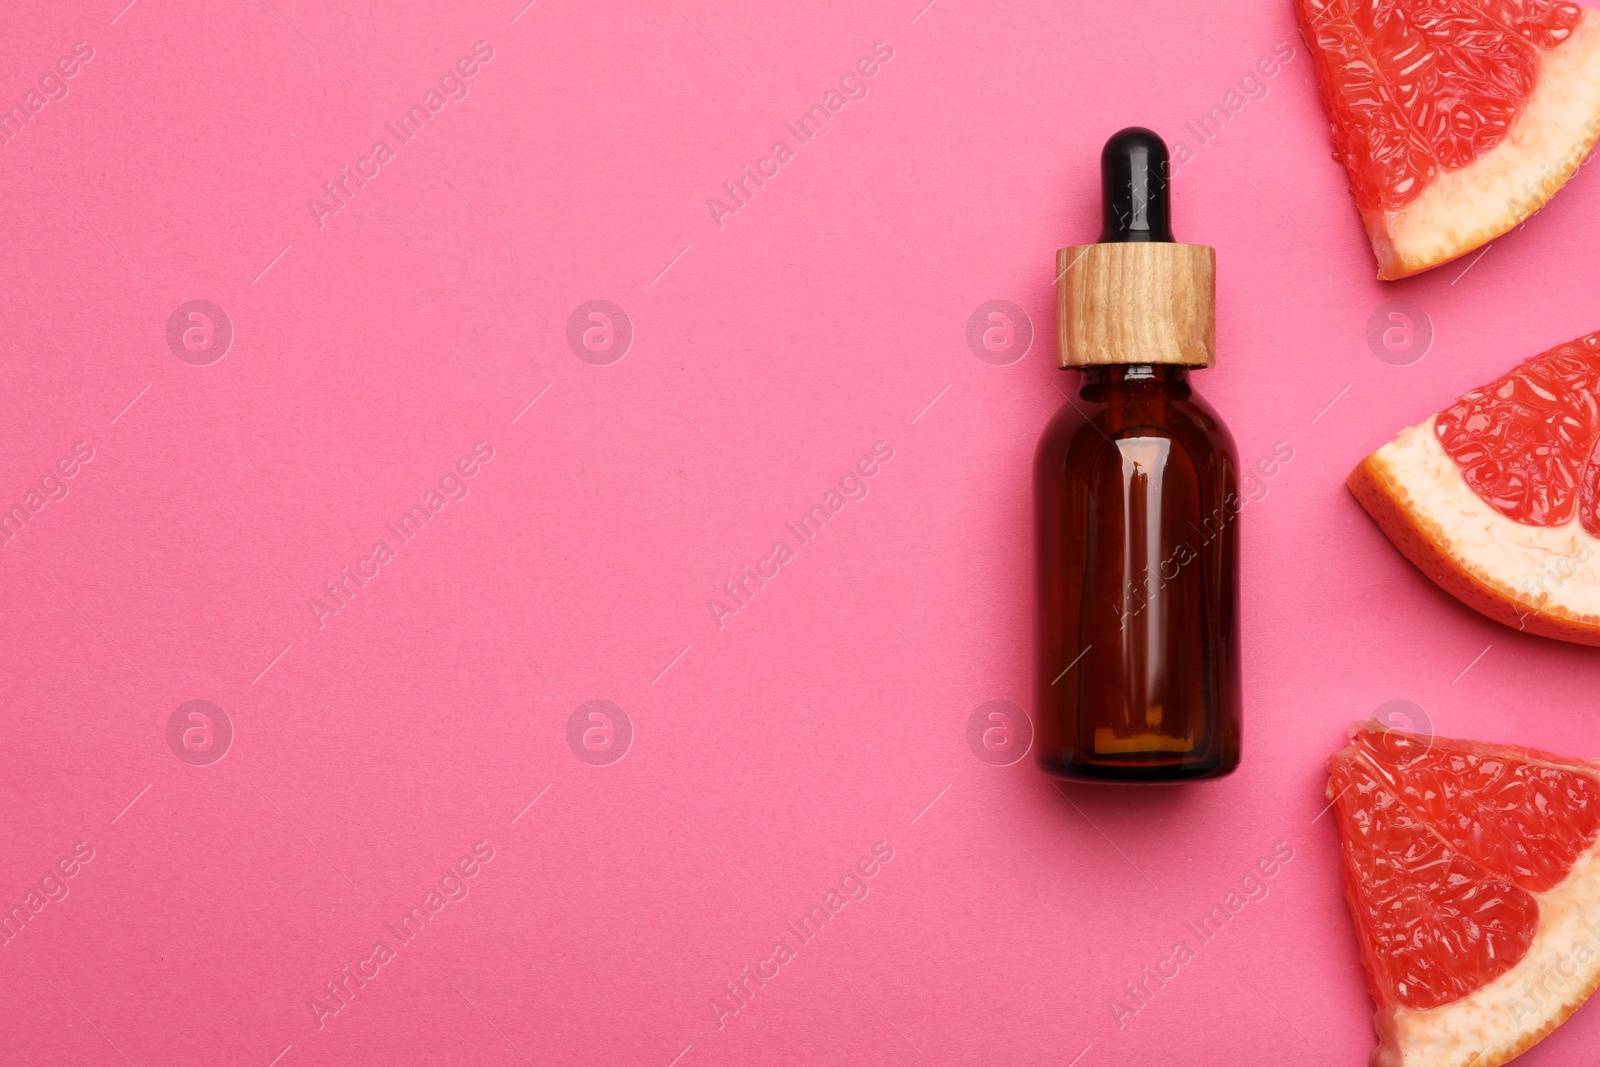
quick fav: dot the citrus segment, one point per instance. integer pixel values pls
(1455, 119)
(1497, 498)
(1472, 875)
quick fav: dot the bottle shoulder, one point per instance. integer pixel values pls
(1204, 417)
(1177, 411)
(1089, 419)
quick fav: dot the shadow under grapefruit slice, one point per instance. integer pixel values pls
(1497, 498)
(1472, 875)
(1455, 119)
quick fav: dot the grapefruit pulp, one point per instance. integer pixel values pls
(1497, 498)
(1472, 874)
(1455, 119)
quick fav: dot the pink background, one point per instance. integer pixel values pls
(372, 753)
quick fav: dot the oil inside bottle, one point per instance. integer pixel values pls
(1138, 582)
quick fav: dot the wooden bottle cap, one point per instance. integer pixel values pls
(1137, 302)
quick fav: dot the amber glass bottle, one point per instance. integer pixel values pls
(1137, 506)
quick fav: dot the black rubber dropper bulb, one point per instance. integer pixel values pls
(1135, 205)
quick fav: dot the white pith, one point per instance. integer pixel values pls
(1545, 570)
(1505, 1017)
(1469, 207)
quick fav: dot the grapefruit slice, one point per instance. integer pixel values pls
(1472, 873)
(1455, 119)
(1497, 498)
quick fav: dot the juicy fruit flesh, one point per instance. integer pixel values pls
(1526, 442)
(1507, 810)
(1435, 928)
(1413, 87)
(1445, 845)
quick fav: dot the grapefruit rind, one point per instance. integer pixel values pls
(1514, 1012)
(1466, 208)
(1537, 579)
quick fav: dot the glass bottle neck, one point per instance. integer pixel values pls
(1114, 373)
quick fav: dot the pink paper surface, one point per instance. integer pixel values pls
(764, 753)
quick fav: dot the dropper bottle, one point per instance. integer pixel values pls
(1136, 492)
